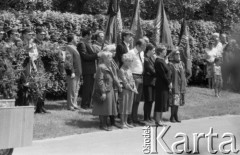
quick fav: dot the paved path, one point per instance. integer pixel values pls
(130, 141)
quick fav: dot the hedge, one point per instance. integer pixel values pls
(200, 32)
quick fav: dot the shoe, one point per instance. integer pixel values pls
(129, 125)
(71, 109)
(110, 128)
(139, 123)
(158, 124)
(76, 108)
(105, 128)
(123, 126)
(172, 119)
(177, 120)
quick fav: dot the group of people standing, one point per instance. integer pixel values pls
(222, 57)
(116, 78)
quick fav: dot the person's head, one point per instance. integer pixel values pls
(13, 34)
(210, 44)
(40, 34)
(223, 38)
(110, 48)
(127, 59)
(217, 61)
(87, 34)
(99, 36)
(216, 37)
(72, 39)
(127, 36)
(176, 56)
(150, 50)
(146, 39)
(161, 50)
(141, 45)
(28, 34)
(106, 57)
(19, 42)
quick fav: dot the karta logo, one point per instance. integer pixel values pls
(152, 139)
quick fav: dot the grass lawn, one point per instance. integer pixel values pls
(200, 102)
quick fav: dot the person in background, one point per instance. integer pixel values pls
(210, 55)
(146, 39)
(74, 72)
(89, 63)
(104, 102)
(98, 40)
(179, 83)
(163, 84)
(40, 36)
(217, 46)
(129, 88)
(217, 76)
(149, 79)
(137, 71)
(12, 35)
(124, 47)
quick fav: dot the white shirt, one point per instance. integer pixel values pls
(138, 61)
(211, 55)
(219, 49)
(127, 44)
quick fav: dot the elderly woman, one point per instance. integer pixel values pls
(163, 84)
(178, 91)
(104, 102)
(149, 81)
(115, 69)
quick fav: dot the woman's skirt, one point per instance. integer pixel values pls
(125, 102)
(176, 99)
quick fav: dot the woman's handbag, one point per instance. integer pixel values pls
(97, 94)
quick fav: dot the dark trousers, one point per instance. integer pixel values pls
(147, 110)
(87, 88)
(137, 97)
(40, 103)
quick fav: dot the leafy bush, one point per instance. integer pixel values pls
(51, 53)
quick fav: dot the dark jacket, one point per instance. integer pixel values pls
(120, 50)
(89, 58)
(163, 74)
(149, 75)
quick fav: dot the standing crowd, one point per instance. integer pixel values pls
(116, 78)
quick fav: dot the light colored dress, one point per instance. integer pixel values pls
(127, 95)
(217, 76)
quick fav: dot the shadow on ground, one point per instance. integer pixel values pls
(83, 123)
(56, 106)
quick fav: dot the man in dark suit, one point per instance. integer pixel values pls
(123, 47)
(89, 64)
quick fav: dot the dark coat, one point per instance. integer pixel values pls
(120, 50)
(149, 75)
(163, 80)
(89, 58)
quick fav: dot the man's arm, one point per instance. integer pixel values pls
(81, 47)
